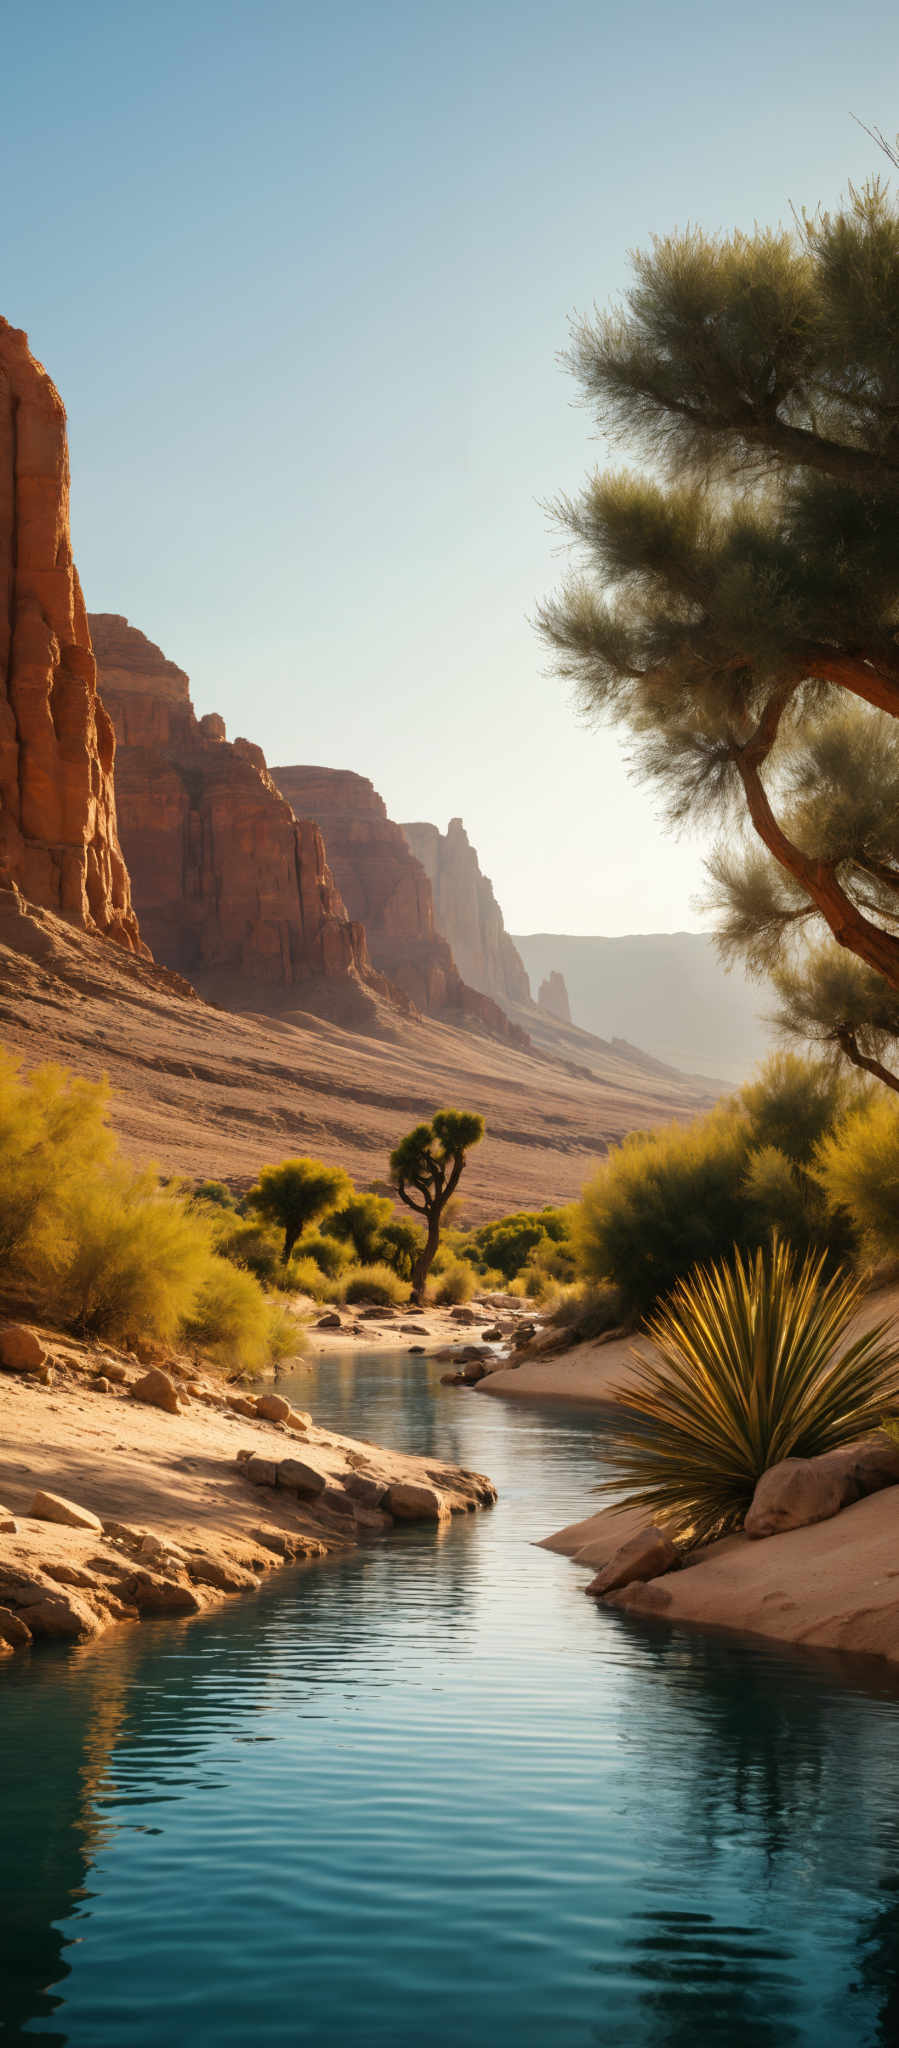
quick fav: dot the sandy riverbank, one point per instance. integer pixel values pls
(188, 1506)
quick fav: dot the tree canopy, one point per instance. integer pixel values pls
(297, 1193)
(738, 604)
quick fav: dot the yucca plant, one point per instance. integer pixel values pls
(748, 1368)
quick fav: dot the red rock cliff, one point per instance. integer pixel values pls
(467, 912)
(553, 996)
(386, 888)
(59, 842)
(232, 889)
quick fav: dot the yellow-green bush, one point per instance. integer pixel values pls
(858, 1168)
(130, 1258)
(377, 1284)
(454, 1283)
(53, 1140)
(330, 1254)
(234, 1323)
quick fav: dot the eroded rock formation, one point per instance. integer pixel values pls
(467, 912)
(386, 889)
(553, 996)
(59, 842)
(232, 889)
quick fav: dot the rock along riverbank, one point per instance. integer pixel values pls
(128, 1491)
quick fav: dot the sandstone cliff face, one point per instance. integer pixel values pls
(467, 912)
(553, 996)
(232, 889)
(386, 888)
(59, 842)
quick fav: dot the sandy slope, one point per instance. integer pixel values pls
(208, 1092)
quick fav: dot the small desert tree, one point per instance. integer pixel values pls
(426, 1169)
(738, 606)
(297, 1193)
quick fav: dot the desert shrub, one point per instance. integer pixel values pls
(53, 1140)
(857, 1166)
(662, 1202)
(248, 1242)
(454, 1283)
(377, 1284)
(359, 1223)
(587, 1311)
(398, 1245)
(232, 1320)
(214, 1194)
(505, 1244)
(130, 1260)
(749, 1367)
(794, 1103)
(330, 1255)
(305, 1276)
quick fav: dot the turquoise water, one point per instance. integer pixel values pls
(432, 1795)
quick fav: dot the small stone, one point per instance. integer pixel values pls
(114, 1371)
(648, 1555)
(273, 1407)
(243, 1404)
(797, 1491)
(298, 1420)
(463, 1315)
(20, 1349)
(416, 1351)
(330, 1321)
(157, 1391)
(8, 1524)
(102, 1385)
(53, 1507)
(299, 1477)
(473, 1372)
(413, 1330)
(451, 1379)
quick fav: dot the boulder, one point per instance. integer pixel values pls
(472, 1372)
(299, 1477)
(101, 1385)
(273, 1407)
(648, 1555)
(66, 1616)
(243, 1404)
(798, 1491)
(115, 1372)
(53, 1507)
(416, 1351)
(451, 1379)
(367, 1491)
(157, 1391)
(260, 1471)
(13, 1629)
(8, 1524)
(20, 1349)
(152, 1594)
(299, 1420)
(463, 1315)
(410, 1503)
(329, 1321)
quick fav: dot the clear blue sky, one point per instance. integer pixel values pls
(302, 273)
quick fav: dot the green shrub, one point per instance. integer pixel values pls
(794, 1103)
(377, 1284)
(455, 1283)
(296, 1193)
(359, 1223)
(250, 1243)
(329, 1254)
(858, 1168)
(131, 1258)
(398, 1245)
(214, 1194)
(233, 1321)
(662, 1202)
(53, 1141)
(748, 1368)
(305, 1276)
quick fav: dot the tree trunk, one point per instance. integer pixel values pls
(425, 1260)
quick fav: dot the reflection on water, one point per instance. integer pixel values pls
(430, 1794)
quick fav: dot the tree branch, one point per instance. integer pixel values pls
(848, 1044)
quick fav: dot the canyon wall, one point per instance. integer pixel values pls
(387, 889)
(59, 843)
(467, 912)
(233, 890)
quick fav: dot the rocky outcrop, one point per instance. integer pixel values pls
(553, 996)
(467, 912)
(233, 890)
(385, 887)
(59, 842)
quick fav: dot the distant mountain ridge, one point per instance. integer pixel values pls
(664, 991)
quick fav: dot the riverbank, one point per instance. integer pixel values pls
(121, 1499)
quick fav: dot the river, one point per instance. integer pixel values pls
(431, 1796)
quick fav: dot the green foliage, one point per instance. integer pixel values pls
(215, 1194)
(53, 1140)
(858, 1168)
(455, 1283)
(377, 1284)
(329, 1254)
(360, 1222)
(235, 1325)
(735, 609)
(749, 1368)
(132, 1258)
(426, 1167)
(399, 1245)
(305, 1276)
(249, 1243)
(296, 1193)
(661, 1202)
